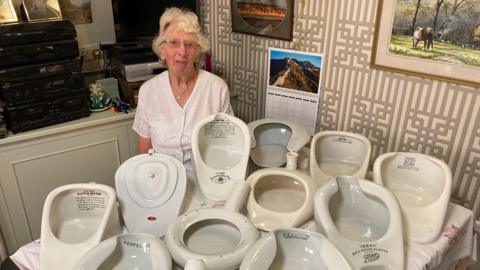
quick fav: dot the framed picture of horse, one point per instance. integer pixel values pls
(429, 38)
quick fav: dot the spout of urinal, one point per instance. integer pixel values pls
(194, 264)
(238, 196)
(292, 158)
(350, 188)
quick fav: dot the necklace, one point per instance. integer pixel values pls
(179, 96)
(186, 89)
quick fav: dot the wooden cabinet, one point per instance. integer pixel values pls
(34, 163)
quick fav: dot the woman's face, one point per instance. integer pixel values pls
(180, 52)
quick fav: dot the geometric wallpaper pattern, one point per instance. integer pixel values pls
(396, 112)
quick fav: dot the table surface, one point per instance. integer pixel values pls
(455, 242)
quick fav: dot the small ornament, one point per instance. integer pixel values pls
(99, 100)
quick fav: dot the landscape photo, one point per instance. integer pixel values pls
(269, 18)
(262, 15)
(295, 70)
(444, 31)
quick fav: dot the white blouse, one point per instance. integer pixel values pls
(169, 126)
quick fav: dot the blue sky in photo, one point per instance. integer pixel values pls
(314, 59)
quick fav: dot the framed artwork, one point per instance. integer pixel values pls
(41, 10)
(77, 11)
(7, 12)
(272, 18)
(414, 39)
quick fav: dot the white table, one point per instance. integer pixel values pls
(454, 244)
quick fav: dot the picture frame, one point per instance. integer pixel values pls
(42, 10)
(77, 11)
(260, 18)
(395, 48)
(7, 12)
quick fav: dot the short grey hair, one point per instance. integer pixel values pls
(186, 21)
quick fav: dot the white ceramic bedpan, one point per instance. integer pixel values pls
(220, 149)
(272, 139)
(280, 198)
(127, 251)
(213, 238)
(335, 153)
(364, 221)
(76, 218)
(287, 249)
(422, 185)
(150, 188)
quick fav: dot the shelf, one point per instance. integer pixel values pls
(95, 119)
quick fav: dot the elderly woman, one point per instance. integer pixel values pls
(172, 102)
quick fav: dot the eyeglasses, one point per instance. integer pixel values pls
(175, 44)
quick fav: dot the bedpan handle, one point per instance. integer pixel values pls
(194, 264)
(238, 195)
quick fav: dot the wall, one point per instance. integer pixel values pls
(395, 111)
(101, 30)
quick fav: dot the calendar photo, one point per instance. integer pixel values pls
(293, 87)
(295, 70)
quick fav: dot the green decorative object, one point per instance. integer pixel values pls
(99, 100)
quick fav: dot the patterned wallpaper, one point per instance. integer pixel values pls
(396, 112)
